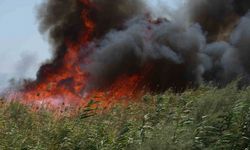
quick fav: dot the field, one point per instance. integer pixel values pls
(204, 118)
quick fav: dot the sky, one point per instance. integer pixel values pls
(22, 47)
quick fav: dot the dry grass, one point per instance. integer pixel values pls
(205, 118)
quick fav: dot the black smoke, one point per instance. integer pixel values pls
(240, 38)
(62, 20)
(216, 16)
(176, 54)
(171, 49)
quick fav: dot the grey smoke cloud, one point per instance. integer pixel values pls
(183, 51)
(171, 47)
(240, 39)
(178, 50)
(62, 20)
(216, 16)
(23, 68)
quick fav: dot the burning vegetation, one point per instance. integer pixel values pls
(111, 49)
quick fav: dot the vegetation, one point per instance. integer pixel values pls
(205, 118)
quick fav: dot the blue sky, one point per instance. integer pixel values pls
(20, 42)
(22, 48)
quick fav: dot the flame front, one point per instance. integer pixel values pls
(67, 83)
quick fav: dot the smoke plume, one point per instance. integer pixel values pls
(240, 39)
(166, 53)
(217, 16)
(62, 20)
(171, 49)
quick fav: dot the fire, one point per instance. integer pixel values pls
(109, 51)
(67, 83)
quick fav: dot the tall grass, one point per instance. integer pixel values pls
(205, 118)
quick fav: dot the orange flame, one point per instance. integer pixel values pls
(67, 83)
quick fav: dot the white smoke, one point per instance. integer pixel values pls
(164, 8)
